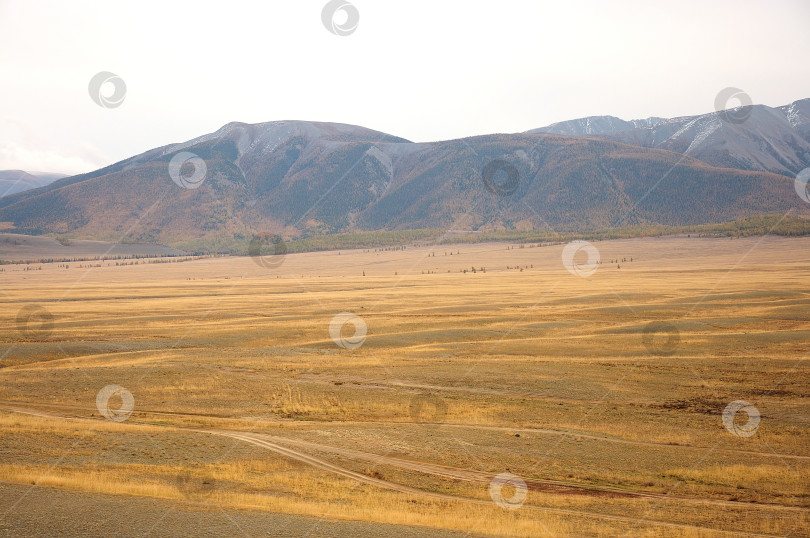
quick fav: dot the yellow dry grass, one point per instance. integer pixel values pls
(537, 372)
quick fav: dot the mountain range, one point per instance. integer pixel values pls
(14, 181)
(300, 178)
(769, 139)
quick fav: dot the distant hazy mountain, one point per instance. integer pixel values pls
(771, 139)
(13, 181)
(294, 178)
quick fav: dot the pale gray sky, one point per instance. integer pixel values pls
(423, 70)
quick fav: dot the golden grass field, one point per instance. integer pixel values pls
(243, 400)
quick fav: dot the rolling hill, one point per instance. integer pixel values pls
(296, 179)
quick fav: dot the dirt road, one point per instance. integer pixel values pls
(302, 451)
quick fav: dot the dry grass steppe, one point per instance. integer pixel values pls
(604, 394)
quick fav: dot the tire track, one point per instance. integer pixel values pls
(273, 444)
(443, 471)
(321, 464)
(467, 475)
(507, 429)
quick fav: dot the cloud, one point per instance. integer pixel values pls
(21, 148)
(14, 156)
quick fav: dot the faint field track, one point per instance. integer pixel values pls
(20, 407)
(277, 444)
(267, 443)
(304, 458)
(533, 371)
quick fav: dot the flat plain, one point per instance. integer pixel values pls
(601, 396)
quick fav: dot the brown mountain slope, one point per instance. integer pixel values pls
(302, 178)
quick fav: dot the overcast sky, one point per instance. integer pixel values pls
(423, 70)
